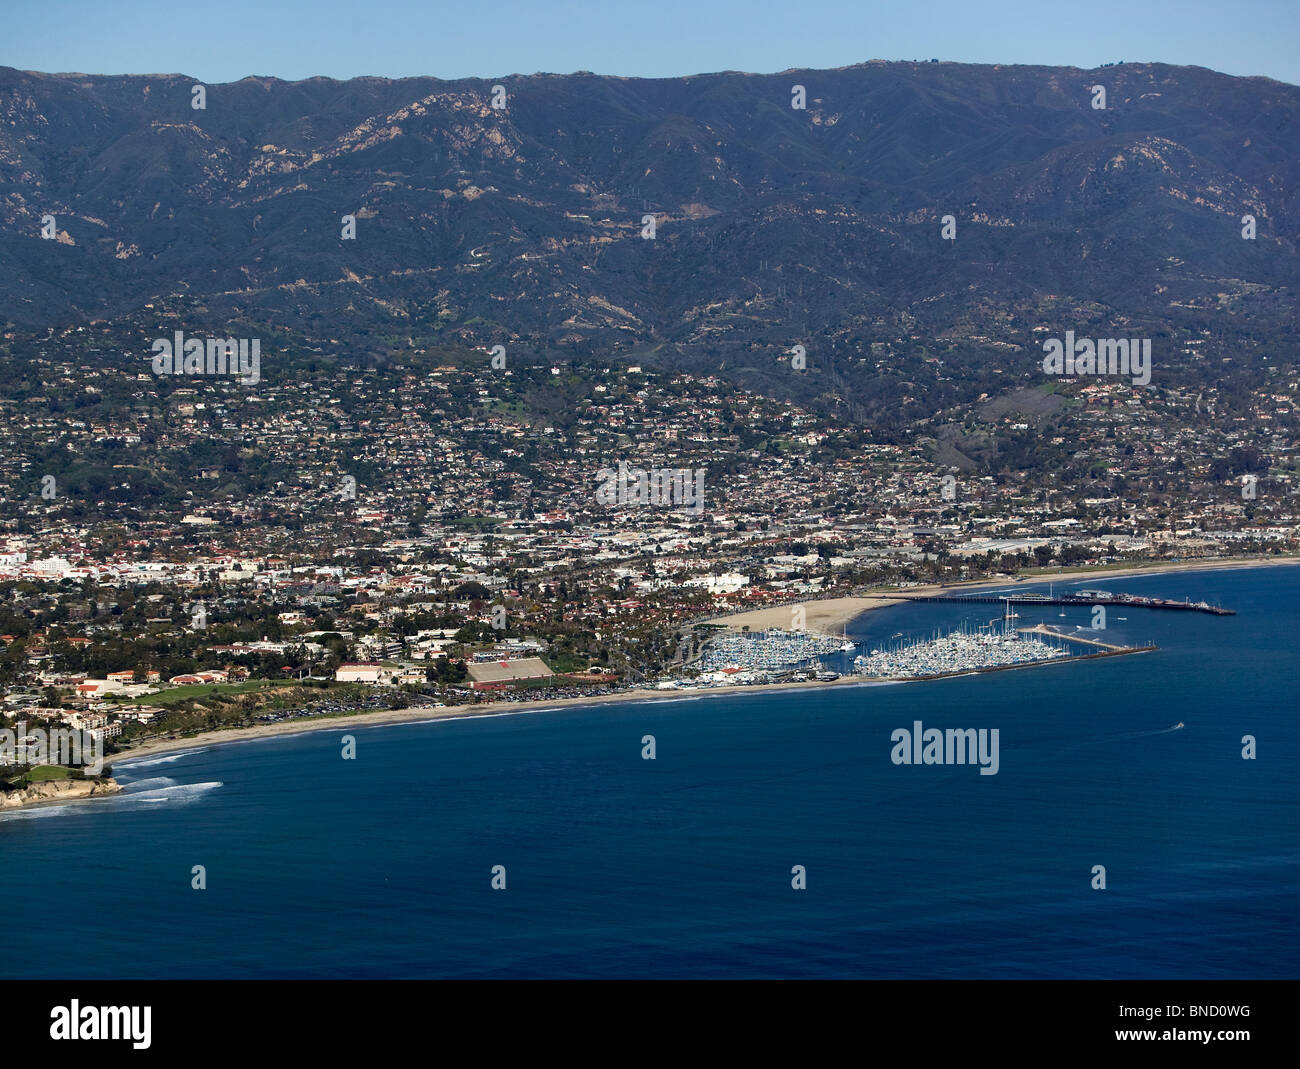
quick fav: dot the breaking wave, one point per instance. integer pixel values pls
(178, 794)
(127, 763)
(151, 783)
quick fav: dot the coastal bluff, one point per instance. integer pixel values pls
(58, 791)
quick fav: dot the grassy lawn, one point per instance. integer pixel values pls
(478, 521)
(47, 773)
(205, 690)
(564, 663)
(507, 408)
(526, 685)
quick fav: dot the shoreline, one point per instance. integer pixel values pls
(427, 713)
(378, 718)
(58, 791)
(835, 613)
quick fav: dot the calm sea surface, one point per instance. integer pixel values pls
(681, 866)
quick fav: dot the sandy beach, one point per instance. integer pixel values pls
(345, 723)
(826, 616)
(829, 615)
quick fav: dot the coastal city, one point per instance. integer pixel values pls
(696, 493)
(464, 534)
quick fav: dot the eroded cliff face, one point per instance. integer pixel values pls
(58, 791)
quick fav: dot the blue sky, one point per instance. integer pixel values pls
(224, 40)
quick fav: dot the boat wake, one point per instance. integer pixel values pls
(1117, 737)
(1128, 736)
(1154, 732)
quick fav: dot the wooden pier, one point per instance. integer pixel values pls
(1121, 601)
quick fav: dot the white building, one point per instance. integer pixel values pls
(361, 672)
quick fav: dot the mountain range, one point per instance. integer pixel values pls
(525, 225)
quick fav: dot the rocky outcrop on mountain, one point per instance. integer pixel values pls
(526, 224)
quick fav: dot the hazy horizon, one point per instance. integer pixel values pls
(672, 39)
(496, 76)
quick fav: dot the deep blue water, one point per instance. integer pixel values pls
(616, 866)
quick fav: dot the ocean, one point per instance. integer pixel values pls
(681, 866)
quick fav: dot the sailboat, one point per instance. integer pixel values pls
(846, 646)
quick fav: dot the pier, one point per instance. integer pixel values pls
(1043, 629)
(1085, 600)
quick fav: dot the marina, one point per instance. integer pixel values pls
(778, 655)
(983, 649)
(774, 650)
(959, 651)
